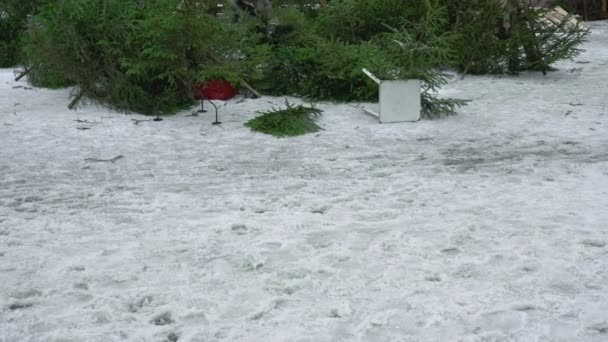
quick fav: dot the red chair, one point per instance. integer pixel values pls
(214, 90)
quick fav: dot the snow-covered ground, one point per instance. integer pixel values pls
(487, 226)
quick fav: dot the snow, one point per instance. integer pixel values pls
(487, 226)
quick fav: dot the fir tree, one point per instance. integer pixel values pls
(141, 57)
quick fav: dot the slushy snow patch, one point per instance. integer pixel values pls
(491, 225)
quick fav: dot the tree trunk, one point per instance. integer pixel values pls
(586, 10)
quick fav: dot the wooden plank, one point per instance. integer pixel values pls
(372, 76)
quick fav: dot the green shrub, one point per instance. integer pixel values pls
(361, 20)
(8, 54)
(44, 75)
(325, 70)
(13, 19)
(141, 58)
(291, 121)
(325, 62)
(478, 47)
(41, 60)
(305, 63)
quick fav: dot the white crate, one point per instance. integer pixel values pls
(400, 100)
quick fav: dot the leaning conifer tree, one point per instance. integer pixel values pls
(542, 40)
(511, 36)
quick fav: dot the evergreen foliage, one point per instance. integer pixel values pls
(511, 37)
(478, 47)
(360, 20)
(13, 20)
(146, 56)
(421, 51)
(543, 43)
(290, 121)
(305, 63)
(324, 61)
(142, 57)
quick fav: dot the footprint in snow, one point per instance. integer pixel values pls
(594, 243)
(240, 229)
(172, 337)
(140, 303)
(450, 251)
(465, 271)
(164, 318)
(18, 305)
(320, 210)
(506, 321)
(599, 328)
(76, 268)
(433, 278)
(526, 307)
(81, 286)
(564, 287)
(25, 294)
(250, 264)
(529, 268)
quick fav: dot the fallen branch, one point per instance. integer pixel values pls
(113, 160)
(87, 122)
(250, 88)
(23, 74)
(136, 122)
(243, 83)
(75, 100)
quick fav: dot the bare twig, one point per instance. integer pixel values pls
(75, 100)
(87, 122)
(113, 160)
(23, 74)
(136, 122)
(243, 83)
(246, 85)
